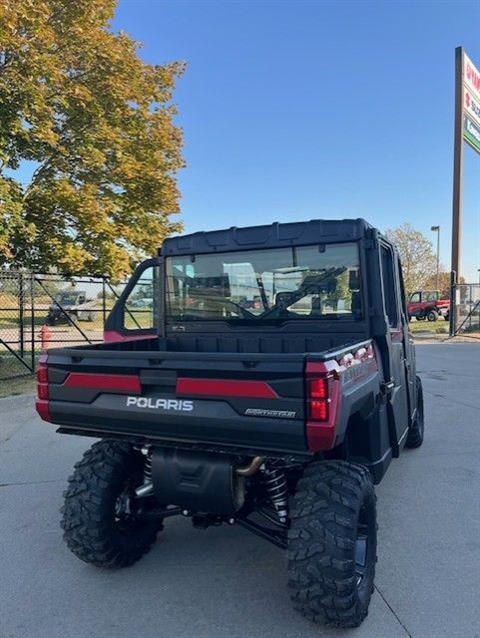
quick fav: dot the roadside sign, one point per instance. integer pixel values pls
(471, 77)
(471, 103)
(471, 106)
(471, 133)
(467, 129)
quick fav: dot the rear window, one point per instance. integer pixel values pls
(306, 282)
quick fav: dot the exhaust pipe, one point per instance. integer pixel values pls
(254, 466)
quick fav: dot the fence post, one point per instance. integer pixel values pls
(32, 320)
(21, 314)
(104, 302)
(453, 309)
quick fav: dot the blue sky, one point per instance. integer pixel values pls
(300, 110)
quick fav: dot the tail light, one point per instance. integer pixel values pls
(322, 399)
(42, 381)
(41, 404)
(318, 399)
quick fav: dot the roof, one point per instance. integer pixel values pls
(276, 235)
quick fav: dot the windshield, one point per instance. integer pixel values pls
(66, 297)
(304, 282)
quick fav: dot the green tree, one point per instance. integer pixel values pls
(342, 291)
(97, 123)
(416, 254)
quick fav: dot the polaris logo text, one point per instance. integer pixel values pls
(176, 405)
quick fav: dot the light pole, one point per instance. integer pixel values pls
(436, 229)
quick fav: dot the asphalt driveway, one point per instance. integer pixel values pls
(224, 582)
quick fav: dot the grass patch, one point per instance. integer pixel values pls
(14, 387)
(440, 326)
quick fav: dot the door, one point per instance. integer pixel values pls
(415, 303)
(409, 346)
(399, 391)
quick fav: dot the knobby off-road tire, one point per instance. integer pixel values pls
(326, 586)
(93, 530)
(416, 432)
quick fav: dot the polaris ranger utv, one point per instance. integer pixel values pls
(268, 384)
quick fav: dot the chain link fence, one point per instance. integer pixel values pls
(467, 310)
(42, 311)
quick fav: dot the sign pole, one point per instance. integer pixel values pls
(457, 183)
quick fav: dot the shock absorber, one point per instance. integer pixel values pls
(147, 488)
(276, 486)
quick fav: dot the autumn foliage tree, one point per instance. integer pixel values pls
(418, 259)
(95, 122)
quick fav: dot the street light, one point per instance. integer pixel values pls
(436, 229)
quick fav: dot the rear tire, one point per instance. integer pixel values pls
(332, 543)
(416, 431)
(432, 315)
(93, 528)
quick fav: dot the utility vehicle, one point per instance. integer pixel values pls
(428, 304)
(268, 385)
(71, 303)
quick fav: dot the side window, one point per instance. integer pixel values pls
(139, 309)
(415, 298)
(388, 279)
(431, 296)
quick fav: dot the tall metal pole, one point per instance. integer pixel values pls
(457, 183)
(438, 257)
(436, 229)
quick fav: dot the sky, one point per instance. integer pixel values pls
(300, 110)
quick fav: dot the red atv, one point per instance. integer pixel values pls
(428, 304)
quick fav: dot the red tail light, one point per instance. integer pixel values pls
(318, 399)
(42, 389)
(42, 374)
(322, 404)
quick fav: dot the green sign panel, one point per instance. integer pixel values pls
(471, 133)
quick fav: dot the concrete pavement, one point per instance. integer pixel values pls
(224, 582)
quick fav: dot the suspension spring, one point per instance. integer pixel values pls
(147, 468)
(276, 486)
(147, 488)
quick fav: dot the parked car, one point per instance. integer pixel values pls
(71, 303)
(276, 418)
(428, 304)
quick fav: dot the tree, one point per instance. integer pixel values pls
(342, 291)
(443, 282)
(418, 259)
(96, 121)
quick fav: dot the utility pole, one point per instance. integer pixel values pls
(436, 229)
(457, 164)
(457, 185)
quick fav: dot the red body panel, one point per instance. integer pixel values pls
(225, 387)
(121, 382)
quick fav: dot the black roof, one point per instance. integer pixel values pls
(273, 235)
